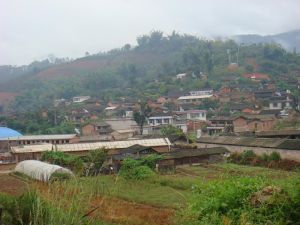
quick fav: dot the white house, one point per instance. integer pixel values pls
(193, 98)
(201, 92)
(181, 76)
(160, 119)
(280, 103)
(193, 114)
(78, 99)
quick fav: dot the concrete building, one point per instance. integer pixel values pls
(79, 99)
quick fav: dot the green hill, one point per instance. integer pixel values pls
(147, 69)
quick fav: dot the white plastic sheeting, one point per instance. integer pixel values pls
(39, 170)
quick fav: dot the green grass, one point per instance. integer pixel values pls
(151, 192)
(191, 188)
(172, 191)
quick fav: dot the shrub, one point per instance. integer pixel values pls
(265, 157)
(58, 176)
(275, 156)
(247, 156)
(235, 157)
(229, 202)
(150, 160)
(139, 169)
(75, 163)
(94, 161)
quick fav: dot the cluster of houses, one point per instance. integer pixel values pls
(230, 112)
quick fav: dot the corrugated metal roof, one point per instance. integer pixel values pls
(41, 137)
(6, 132)
(91, 146)
(194, 97)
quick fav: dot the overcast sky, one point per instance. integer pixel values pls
(32, 29)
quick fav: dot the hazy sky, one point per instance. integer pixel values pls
(32, 29)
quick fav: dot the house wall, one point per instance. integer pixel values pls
(241, 125)
(122, 136)
(88, 129)
(275, 105)
(261, 125)
(172, 163)
(183, 127)
(161, 149)
(285, 154)
(196, 116)
(4, 145)
(193, 125)
(160, 120)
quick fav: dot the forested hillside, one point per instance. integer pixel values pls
(149, 69)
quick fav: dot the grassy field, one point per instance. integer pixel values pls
(159, 200)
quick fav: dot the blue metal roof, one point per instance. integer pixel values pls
(7, 133)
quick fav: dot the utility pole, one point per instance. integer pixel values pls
(229, 56)
(237, 55)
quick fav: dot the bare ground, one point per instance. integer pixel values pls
(11, 185)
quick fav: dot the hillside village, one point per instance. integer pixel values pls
(231, 111)
(150, 112)
(176, 128)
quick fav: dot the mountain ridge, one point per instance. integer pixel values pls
(289, 40)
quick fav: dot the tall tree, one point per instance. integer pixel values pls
(141, 116)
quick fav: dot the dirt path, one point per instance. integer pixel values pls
(130, 213)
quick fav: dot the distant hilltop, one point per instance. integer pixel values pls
(289, 40)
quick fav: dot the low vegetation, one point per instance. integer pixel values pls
(88, 165)
(212, 194)
(272, 160)
(140, 169)
(31, 208)
(245, 200)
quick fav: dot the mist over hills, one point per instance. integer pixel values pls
(289, 40)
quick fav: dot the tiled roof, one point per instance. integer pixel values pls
(289, 144)
(194, 152)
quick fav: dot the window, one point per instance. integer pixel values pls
(166, 120)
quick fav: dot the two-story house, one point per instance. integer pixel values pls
(280, 102)
(100, 130)
(157, 119)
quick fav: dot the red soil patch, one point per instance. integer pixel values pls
(11, 185)
(124, 212)
(114, 210)
(6, 97)
(72, 68)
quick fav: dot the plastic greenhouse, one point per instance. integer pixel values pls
(40, 170)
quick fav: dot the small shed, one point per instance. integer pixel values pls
(192, 156)
(40, 170)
